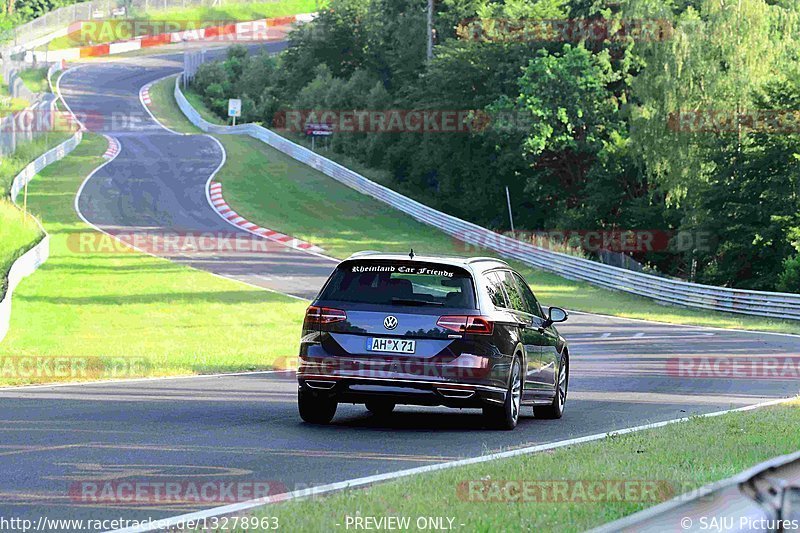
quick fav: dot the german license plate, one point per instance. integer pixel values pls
(391, 345)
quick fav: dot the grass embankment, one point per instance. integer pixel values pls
(275, 191)
(102, 305)
(170, 20)
(19, 234)
(35, 80)
(676, 459)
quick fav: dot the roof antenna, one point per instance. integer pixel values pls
(411, 254)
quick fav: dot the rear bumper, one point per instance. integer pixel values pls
(357, 389)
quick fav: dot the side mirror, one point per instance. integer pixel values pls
(557, 314)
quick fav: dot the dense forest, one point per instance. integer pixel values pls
(672, 116)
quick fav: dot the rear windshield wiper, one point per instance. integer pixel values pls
(411, 301)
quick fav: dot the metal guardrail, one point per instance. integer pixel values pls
(33, 258)
(682, 293)
(25, 125)
(748, 502)
(11, 77)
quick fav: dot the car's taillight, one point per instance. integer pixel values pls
(475, 325)
(319, 316)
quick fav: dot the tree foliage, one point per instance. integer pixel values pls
(584, 132)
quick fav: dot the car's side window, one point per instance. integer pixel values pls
(514, 296)
(528, 296)
(495, 289)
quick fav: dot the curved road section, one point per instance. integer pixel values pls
(244, 429)
(153, 194)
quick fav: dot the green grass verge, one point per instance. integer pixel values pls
(36, 80)
(239, 11)
(189, 18)
(19, 234)
(275, 191)
(197, 102)
(102, 305)
(676, 458)
(162, 95)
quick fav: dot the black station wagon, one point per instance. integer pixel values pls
(390, 329)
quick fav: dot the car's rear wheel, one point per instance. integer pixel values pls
(556, 408)
(506, 416)
(314, 408)
(380, 407)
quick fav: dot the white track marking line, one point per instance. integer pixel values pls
(214, 174)
(693, 326)
(208, 197)
(146, 87)
(224, 210)
(369, 480)
(76, 205)
(403, 473)
(258, 286)
(80, 190)
(287, 244)
(60, 97)
(135, 380)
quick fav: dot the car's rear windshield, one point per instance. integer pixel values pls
(401, 283)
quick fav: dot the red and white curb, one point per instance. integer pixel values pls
(245, 31)
(146, 94)
(225, 211)
(113, 148)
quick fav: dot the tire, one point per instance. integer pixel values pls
(556, 409)
(380, 407)
(506, 416)
(315, 409)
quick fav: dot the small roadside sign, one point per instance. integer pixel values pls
(319, 130)
(315, 130)
(234, 107)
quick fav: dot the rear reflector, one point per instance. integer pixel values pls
(324, 315)
(475, 325)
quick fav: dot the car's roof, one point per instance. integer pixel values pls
(440, 259)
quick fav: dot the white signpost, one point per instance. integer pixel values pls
(234, 109)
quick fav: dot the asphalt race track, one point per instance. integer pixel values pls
(245, 428)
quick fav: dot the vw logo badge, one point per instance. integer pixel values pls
(390, 322)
